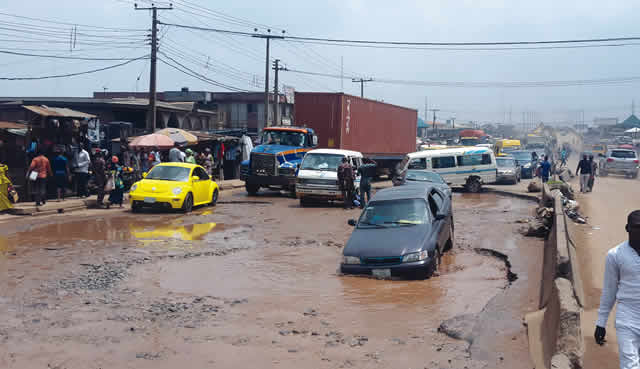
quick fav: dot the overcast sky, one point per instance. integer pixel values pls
(239, 61)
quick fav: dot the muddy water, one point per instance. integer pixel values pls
(275, 301)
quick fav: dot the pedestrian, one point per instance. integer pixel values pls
(534, 158)
(366, 171)
(594, 168)
(622, 284)
(41, 166)
(208, 161)
(563, 156)
(190, 157)
(100, 176)
(175, 155)
(116, 196)
(345, 179)
(545, 169)
(155, 157)
(81, 171)
(400, 172)
(200, 158)
(584, 168)
(61, 174)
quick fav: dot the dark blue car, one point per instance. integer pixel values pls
(403, 231)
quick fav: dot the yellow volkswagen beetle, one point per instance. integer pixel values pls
(174, 186)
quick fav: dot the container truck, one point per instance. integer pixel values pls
(380, 131)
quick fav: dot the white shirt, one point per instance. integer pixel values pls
(175, 155)
(621, 284)
(82, 162)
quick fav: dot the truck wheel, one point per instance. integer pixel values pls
(252, 189)
(473, 185)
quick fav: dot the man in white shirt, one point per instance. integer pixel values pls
(622, 284)
(81, 170)
(175, 155)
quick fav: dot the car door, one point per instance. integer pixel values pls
(440, 205)
(200, 186)
(437, 225)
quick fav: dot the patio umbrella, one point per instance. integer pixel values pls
(179, 135)
(151, 141)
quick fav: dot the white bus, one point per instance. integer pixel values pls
(470, 167)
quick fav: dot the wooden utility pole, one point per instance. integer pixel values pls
(276, 94)
(361, 81)
(434, 118)
(268, 38)
(151, 121)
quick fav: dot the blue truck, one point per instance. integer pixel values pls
(275, 161)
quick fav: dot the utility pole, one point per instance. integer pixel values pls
(268, 38)
(151, 122)
(276, 114)
(361, 81)
(434, 118)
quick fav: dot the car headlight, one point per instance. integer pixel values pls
(350, 260)
(177, 191)
(415, 256)
(133, 187)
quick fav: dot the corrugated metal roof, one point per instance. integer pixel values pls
(12, 125)
(46, 111)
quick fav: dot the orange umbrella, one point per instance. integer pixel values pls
(151, 141)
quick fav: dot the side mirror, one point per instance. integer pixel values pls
(352, 222)
(195, 178)
(440, 216)
(144, 175)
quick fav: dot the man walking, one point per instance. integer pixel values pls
(545, 170)
(61, 174)
(594, 169)
(99, 172)
(584, 168)
(82, 172)
(366, 171)
(345, 179)
(622, 284)
(175, 155)
(40, 164)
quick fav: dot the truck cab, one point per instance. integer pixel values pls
(276, 159)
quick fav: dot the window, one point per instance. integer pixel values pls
(470, 160)
(252, 108)
(623, 154)
(438, 198)
(395, 213)
(418, 164)
(201, 173)
(444, 162)
(433, 205)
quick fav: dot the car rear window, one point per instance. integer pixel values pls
(621, 154)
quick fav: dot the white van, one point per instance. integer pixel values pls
(470, 167)
(318, 174)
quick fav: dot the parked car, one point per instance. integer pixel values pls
(527, 165)
(403, 231)
(426, 176)
(619, 161)
(174, 186)
(508, 170)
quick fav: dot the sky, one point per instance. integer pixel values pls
(239, 61)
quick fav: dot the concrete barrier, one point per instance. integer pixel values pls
(555, 337)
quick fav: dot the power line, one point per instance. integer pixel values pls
(96, 28)
(187, 70)
(72, 74)
(62, 57)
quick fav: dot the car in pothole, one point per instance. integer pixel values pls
(402, 232)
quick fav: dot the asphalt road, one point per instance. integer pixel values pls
(253, 282)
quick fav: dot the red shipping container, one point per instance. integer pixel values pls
(377, 129)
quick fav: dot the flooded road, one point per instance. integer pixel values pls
(254, 282)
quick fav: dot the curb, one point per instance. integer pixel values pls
(514, 194)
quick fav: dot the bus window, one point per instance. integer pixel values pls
(443, 162)
(486, 159)
(468, 160)
(418, 164)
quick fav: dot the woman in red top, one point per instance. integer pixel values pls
(40, 164)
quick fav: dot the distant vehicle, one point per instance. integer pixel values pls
(535, 142)
(174, 186)
(403, 231)
(469, 167)
(599, 149)
(472, 137)
(318, 174)
(506, 146)
(619, 161)
(425, 176)
(508, 170)
(527, 164)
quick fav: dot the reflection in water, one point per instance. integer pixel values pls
(4, 247)
(192, 232)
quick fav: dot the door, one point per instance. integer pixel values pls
(201, 186)
(438, 206)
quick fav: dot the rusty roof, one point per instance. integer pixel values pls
(47, 111)
(12, 125)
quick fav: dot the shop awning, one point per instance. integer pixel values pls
(47, 111)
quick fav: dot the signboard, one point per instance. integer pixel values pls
(289, 93)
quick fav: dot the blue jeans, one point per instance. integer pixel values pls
(365, 195)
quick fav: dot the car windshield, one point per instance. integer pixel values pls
(288, 138)
(521, 155)
(424, 176)
(598, 147)
(623, 154)
(505, 163)
(395, 213)
(169, 173)
(329, 162)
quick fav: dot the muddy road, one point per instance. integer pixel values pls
(253, 282)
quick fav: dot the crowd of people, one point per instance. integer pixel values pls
(346, 180)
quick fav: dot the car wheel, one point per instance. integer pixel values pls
(214, 198)
(473, 185)
(252, 189)
(449, 245)
(135, 207)
(187, 205)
